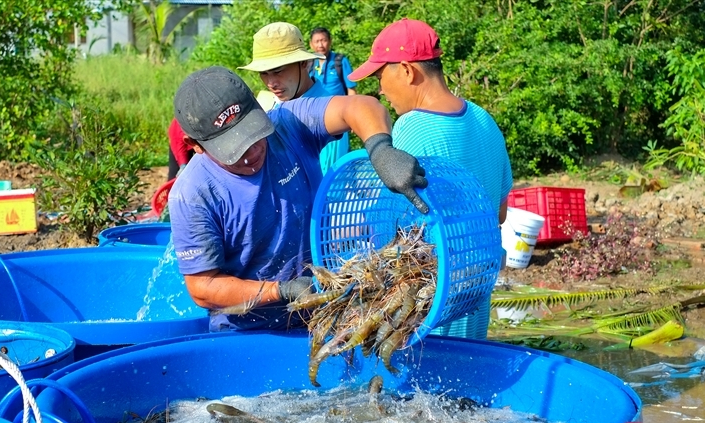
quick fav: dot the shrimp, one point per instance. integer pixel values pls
(320, 333)
(375, 385)
(229, 414)
(367, 347)
(374, 388)
(372, 323)
(388, 347)
(238, 309)
(313, 300)
(325, 351)
(326, 278)
(408, 304)
(383, 332)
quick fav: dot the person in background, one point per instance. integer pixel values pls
(179, 152)
(332, 70)
(432, 121)
(280, 56)
(241, 209)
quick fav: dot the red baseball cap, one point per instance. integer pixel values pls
(407, 40)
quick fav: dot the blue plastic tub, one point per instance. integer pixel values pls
(140, 378)
(38, 350)
(103, 297)
(353, 211)
(136, 235)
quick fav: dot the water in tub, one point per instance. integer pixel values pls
(342, 404)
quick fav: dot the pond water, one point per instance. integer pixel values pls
(669, 394)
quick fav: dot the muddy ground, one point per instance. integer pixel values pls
(49, 231)
(676, 212)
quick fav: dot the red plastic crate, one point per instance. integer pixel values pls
(556, 205)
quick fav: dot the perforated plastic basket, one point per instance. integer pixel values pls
(472, 326)
(354, 212)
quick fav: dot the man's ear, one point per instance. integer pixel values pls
(193, 143)
(407, 71)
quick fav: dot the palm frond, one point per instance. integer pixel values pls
(524, 301)
(638, 322)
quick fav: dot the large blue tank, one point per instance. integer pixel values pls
(136, 235)
(141, 377)
(104, 297)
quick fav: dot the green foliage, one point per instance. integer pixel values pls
(140, 96)
(568, 79)
(687, 120)
(35, 65)
(151, 18)
(563, 79)
(92, 169)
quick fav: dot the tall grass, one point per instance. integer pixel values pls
(139, 93)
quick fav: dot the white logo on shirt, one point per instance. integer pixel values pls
(188, 254)
(293, 172)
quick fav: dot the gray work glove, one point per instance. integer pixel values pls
(291, 290)
(398, 170)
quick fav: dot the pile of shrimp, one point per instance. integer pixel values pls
(376, 300)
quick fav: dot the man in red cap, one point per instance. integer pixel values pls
(406, 60)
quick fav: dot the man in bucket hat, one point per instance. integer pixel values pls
(405, 58)
(241, 209)
(280, 56)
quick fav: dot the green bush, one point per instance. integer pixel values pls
(138, 93)
(568, 80)
(687, 120)
(91, 166)
(35, 66)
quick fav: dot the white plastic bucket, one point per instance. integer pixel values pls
(519, 234)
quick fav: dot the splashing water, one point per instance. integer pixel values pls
(349, 404)
(166, 270)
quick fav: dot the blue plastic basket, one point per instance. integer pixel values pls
(354, 211)
(472, 326)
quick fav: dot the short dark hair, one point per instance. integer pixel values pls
(319, 30)
(432, 66)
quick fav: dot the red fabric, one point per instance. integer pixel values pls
(406, 40)
(176, 142)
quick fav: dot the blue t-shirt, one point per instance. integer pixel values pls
(254, 227)
(329, 76)
(336, 148)
(469, 137)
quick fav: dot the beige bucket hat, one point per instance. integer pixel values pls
(278, 44)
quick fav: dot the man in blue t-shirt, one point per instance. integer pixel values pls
(280, 56)
(332, 70)
(241, 209)
(333, 75)
(433, 122)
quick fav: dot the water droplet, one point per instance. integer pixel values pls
(246, 162)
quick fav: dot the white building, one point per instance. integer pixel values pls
(116, 30)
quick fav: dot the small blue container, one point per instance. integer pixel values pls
(38, 350)
(354, 211)
(136, 235)
(140, 378)
(104, 297)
